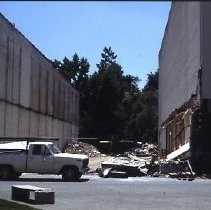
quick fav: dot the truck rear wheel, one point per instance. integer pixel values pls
(70, 174)
(5, 172)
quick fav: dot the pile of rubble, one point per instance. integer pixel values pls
(179, 168)
(146, 149)
(145, 160)
(83, 148)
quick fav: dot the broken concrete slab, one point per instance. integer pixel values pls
(118, 174)
(111, 173)
(131, 170)
(131, 165)
(33, 194)
(183, 149)
(139, 161)
(177, 169)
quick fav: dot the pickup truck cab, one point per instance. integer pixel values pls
(41, 158)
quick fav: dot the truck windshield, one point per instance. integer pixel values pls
(54, 149)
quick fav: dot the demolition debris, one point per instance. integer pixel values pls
(142, 160)
(145, 160)
(83, 148)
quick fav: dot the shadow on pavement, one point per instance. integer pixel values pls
(44, 180)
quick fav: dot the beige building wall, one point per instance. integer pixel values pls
(179, 61)
(35, 99)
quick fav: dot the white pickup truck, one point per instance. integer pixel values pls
(41, 158)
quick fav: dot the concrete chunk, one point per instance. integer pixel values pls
(33, 194)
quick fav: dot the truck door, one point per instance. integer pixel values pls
(40, 160)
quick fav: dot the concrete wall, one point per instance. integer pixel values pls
(35, 99)
(179, 58)
(206, 49)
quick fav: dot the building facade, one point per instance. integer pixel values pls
(184, 109)
(35, 99)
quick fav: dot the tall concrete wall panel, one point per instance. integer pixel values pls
(56, 96)
(68, 132)
(66, 103)
(70, 104)
(42, 125)
(3, 56)
(73, 106)
(2, 118)
(61, 100)
(25, 78)
(9, 64)
(34, 124)
(35, 99)
(35, 80)
(50, 78)
(206, 49)
(179, 64)
(16, 71)
(61, 133)
(77, 107)
(43, 89)
(49, 126)
(23, 122)
(55, 127)
(74, 132)
(11, 120)
(17, 121)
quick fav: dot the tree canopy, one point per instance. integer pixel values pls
(111, 104)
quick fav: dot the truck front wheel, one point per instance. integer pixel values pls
(70, 174)
(5, 172)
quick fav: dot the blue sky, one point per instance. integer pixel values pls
(134, 30)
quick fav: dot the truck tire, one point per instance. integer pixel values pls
(5, 172)
(70, 174)
(79, 176)
(16, 175)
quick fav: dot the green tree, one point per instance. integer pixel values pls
(105, 95)
(146, 110)
(108, 59)
(111, 94)
(152, 82)
(75, 70)
(111, 104)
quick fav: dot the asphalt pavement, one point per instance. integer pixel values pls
(95, 193)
